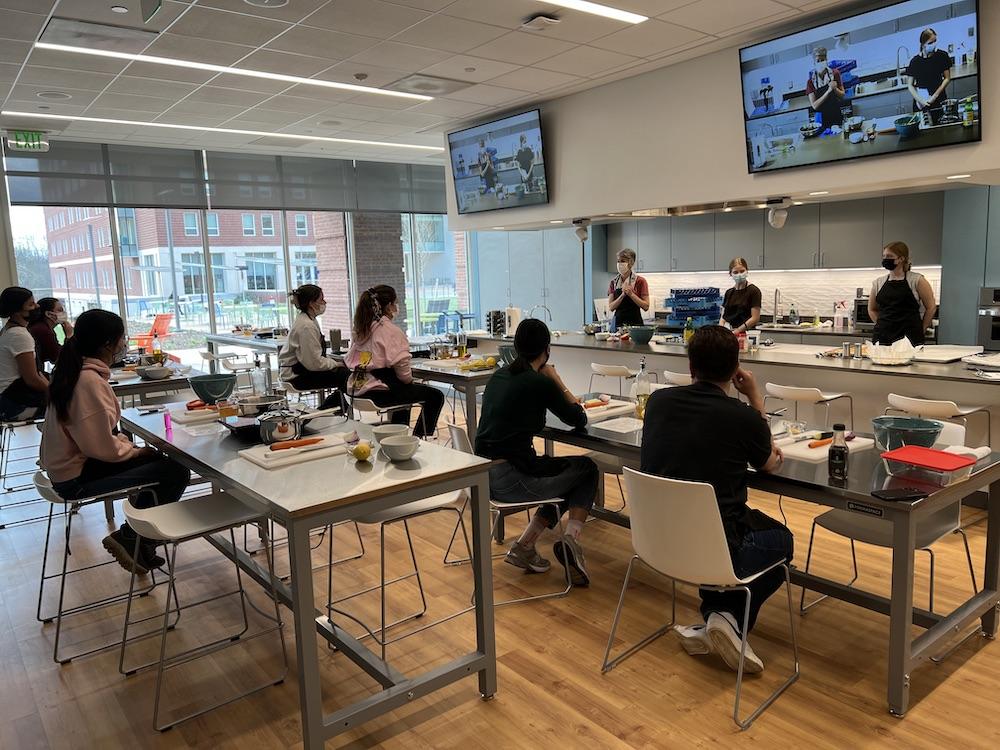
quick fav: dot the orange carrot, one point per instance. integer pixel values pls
(301, 443)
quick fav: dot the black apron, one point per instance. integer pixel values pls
(628, 312)
(829, 110)
(898, 314)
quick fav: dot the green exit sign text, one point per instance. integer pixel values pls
(27, 140)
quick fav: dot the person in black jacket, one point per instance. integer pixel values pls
(514, 406)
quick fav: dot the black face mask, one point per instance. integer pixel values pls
(888, 264)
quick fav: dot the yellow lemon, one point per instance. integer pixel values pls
(491, 362)
(362, 451)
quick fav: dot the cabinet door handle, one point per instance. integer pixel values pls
(815, 260)
(673, 263)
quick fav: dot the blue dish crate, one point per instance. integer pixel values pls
(703, 305)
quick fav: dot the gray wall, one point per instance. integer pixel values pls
(970, 258)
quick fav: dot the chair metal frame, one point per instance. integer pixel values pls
(825, 402)
(630, 374)
(382, 411)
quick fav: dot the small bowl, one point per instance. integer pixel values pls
(602, 336)
(641, 334)
(895, 432)
(382, 431)
(153, 372)
(399, 447)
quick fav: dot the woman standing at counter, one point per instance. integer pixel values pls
(741, 305)
(901, 302)
(628, 293)
(929, 72)
(825, 90)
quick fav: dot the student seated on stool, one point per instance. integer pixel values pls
(676, 444)
(303, 362)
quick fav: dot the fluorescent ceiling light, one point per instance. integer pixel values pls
(556, 221)
(497, 228)
(234, 131)
(599, 10)
(820, 192)
(230, 71)
(958, 176)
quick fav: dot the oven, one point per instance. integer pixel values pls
(862, 320)
(989, 318)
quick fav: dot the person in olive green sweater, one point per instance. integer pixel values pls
(514, 406)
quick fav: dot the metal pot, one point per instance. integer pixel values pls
(251, 406)
(286, 424)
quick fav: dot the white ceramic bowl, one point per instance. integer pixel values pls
(602, 336)
(153, 373)
(382, 431)
(399, 447)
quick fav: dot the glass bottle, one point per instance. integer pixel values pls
(642, 389)
(688, 330)
(793, 315)
(258, 383)
(838, 454)
(461, 341)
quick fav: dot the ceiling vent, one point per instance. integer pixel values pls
(539, 22)
(97, 36)
(427, 85)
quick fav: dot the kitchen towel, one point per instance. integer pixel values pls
(622, 424)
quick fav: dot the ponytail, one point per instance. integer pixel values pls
(65, 377)
(95, 331)
(371, 308)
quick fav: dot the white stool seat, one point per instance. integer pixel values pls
(612, 371)
(933, 408)
(607, 463)
(677, 378)
(446, 500)
(803, 395)
(878, 531)
(188, 518)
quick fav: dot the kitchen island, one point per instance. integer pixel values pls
(789, 364)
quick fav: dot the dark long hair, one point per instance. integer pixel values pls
(45, 305)
(531, 339)
(12, 299)
(371, 308)
(95, 330)
(304, 296)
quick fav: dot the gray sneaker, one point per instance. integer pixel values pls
(526, 558)
(569, 552)
(725, 637)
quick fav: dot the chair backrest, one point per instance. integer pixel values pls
(952, 434)
(459, 438)
(364, 405)
(677, 378)
(507, 353)
(161, 324)
(610, 371)
(677, 529)
(45, 490)
(652, 387)
(923, 407)
(794, 393)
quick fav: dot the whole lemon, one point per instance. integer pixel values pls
(491, 361)
(362, 451)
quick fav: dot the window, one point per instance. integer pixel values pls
(261, 271)
(212, 222)
(266, 225)
(218, 260)
(194, 278)
(301, 225)
(190, 224)
(62, 219)
(249, 228)
(304, 267)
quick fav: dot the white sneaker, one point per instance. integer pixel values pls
(694, 639)
(725, 636)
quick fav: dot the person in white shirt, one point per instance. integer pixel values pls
(23, 390)
(302, 361)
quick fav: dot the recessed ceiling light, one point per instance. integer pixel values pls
(44, 106)
(498, 229)
(797, 203)
(556, 221)
(761, 205)
(153, 59)
(267, 3)
(727, 209)
(234, 131)
(470, 69)
(584, 6)
(119, 9)
(958, 176)
(820, 192)
(54, 95)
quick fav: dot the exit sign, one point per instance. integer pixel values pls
(27, 140)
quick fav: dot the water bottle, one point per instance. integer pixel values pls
(838, 454)
(642, 389)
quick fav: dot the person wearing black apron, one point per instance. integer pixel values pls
(628, 293)
(930, 73)
(902, 302)
(825, 90)
(741, 303)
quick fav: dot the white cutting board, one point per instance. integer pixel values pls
(945, 353)
(802, 451)
(263, 456)
(614, 408)
(195, 416)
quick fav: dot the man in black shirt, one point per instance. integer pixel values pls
(699, 433)
(514, 406)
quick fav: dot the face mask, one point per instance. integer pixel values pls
(623, 269)
(62, 317)
(739, 278)
(930, 47)
(320, 309)
(888, 264)
(821, 67)
(122, 352)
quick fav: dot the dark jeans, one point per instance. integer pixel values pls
(100, 477)
(18, 401)
(305, 380)
(761, 547)
(408, 393)
(576, 486)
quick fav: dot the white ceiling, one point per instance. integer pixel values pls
(474, 41)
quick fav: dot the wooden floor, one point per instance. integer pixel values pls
(551, 692)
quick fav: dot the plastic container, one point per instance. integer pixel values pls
(928, 466)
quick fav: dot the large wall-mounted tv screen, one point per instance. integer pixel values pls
(897, 79)
(499, 164)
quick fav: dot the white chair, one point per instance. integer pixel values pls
(798, 395)
(677, 532)
(305, 395)
(171, 525)
(239, 366)
(362, 406)
(933, 409)
(878, 532)
(8, 431)
(621, 372)
(677, 378)
(460, 441)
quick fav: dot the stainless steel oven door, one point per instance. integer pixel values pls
(989, 328)
(862, 320)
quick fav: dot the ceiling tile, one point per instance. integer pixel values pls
(487, 94)
(133, 102)
(325, 125)
(449, 33)
(331, 45)
(65, 79)
(217, 95)
(150, 87)
(355, 112)
(573, 26)
(188, 107)
(467, 68)
(377, 77)
(535, 80)
(715, 16)
(28, 6)
(447, 108)
(652, 7)
(429, 5)
(406, 57)
(29, 93)
(205, 119)
(384, 128)
(412, 119)
(270, 117)
(97, 11)
(190, 48)
(247, 83)
(319, 94)
(293, 11)
(21, 26)
(367, 17)
(649, 38)
(521, 48)
(8, 72)
(382, 102)
(284, 63)
(222, 26)
(168, 73)
(586, 61)
(306, 106)
(52, 108)
(15, 52)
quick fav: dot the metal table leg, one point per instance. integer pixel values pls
(992, 574)
(483, 581)
(471, 417)
(213, 364)
(304, 612)
(901, 612)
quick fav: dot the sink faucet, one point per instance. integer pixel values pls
(774, 310)
(531, 312)
(899, 68)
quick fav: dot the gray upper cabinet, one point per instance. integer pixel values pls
(850, 233)
(797, 244)
(692, 243)
(621, 235)
(653, 246)
(915, 219)
(739, 234)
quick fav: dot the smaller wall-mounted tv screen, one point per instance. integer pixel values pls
(499, 164)
(897, 79)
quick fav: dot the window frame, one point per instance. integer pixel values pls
(192, 230)
(265, 230)
(253, 225)
(302, 231)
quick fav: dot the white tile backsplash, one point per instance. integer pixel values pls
(809, 289)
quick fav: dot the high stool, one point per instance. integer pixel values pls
(8, 431)
(676, 378)
(813, 396)
(171, 525)
(305, 394)
(925, 407)
(366, 406)
(621, 372)
(239, 366)
(67, 509)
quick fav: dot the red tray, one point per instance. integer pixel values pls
(928, 458)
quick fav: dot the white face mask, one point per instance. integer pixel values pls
(122, 352)
(623, 268)
(62, 317)
(739, 278)
(821, 67)
(320, 309)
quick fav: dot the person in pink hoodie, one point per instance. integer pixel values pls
(82, 450)
(379, 360)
